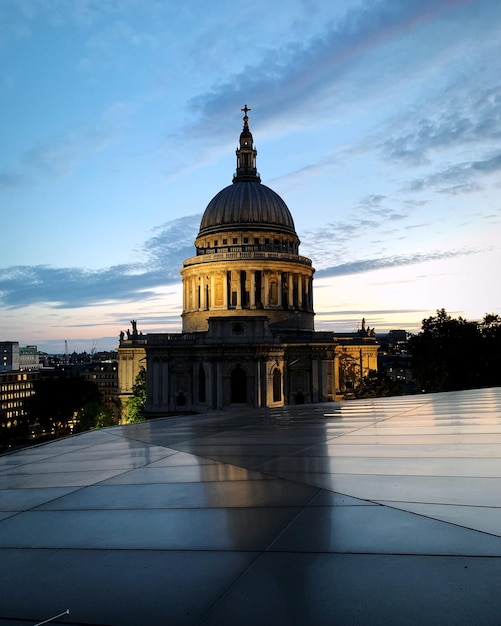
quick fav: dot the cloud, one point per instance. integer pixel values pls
(62, 153)
(12, 177)
(369, 265)
(84, 13)
(364, 312)
(114, 46)
(333, 240)
(374, 55)
(464, 117)
(22, 286)
(68, 288)
(172, 242)
(162, 258)
(458, 178)
(296, 74)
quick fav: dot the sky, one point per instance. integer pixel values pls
(377, 121)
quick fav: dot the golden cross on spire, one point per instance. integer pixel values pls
(245, 110)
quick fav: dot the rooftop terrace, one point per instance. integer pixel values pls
(364, 512)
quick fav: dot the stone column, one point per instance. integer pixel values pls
(165, 384)
(195, 384)
(257, 386)
(193, 294)
(155, 395)
(291, 290)
(203, 304)
(224, 280)
(309, 295)
(219, 385)
(266, 280)
(335, 366)
(239, 289)
(299, 291)
(252, 292)
(315, 396)
(210, 384)
(323, 381)
(279, 288)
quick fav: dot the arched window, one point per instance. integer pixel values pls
(238, 385)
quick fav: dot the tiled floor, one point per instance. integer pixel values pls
(367, 512)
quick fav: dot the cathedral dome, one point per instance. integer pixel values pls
(247, 265)
(247, 205)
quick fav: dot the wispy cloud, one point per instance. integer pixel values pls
(73, 287)
(369, 265)
(59, 155)
(163, 255)
(298, 72)
(467, 115)
(334, 240)
(459, 178)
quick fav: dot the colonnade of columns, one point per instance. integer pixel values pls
(248, 289)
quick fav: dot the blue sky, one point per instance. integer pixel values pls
(377, 121)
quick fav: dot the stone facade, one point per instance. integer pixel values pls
(248, 333)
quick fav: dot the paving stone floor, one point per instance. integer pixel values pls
(384, 511)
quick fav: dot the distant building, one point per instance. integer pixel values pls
(9, 356)
(396, 341)
(29, 358)
(398, 368)
(394, 360)
(105, 375)
(15, 387)
(248, 334)
(105, 355)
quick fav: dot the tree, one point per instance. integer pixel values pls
(135, 404)
(94, 415)
(449, 354)
(490, 329)
(56, 401)
(377, 385)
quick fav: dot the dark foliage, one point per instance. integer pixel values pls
(136, 403)
(377, 385)
(450, 354)
(57, 400)
(94, 415)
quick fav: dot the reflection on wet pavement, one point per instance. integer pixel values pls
(379, 511)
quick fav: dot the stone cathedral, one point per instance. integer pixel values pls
(248, 335)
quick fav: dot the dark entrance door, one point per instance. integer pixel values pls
(238, 386)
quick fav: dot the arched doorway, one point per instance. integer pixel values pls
(277, 385)
(238, 385)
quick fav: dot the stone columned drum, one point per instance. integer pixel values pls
(247, 255)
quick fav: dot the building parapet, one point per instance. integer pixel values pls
(247, 256)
